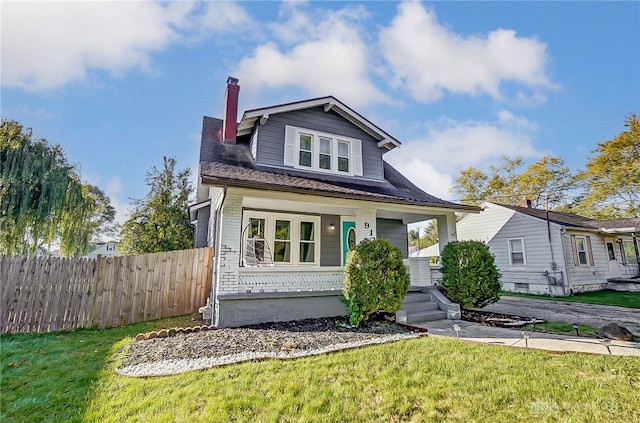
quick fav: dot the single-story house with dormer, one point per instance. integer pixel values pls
(285, 192)
(548, 252)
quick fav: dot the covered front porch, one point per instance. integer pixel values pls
(279, 248)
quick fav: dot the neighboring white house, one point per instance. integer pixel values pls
(103, 249)
(554, 253)
(285, 193)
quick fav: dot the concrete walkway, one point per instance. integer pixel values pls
(541, 341)
(550, 310)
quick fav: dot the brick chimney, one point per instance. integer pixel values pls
(230, 111)
(525, 202)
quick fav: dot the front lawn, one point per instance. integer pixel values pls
(604, 297)
(70, 377)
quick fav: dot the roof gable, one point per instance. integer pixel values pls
(259, 116)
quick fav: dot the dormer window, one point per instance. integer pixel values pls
(323, 152)
(306, 152)
(343, 156)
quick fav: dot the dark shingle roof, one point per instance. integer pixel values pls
(567, 219)
(233, 165)
(612, 224)
(574, 220)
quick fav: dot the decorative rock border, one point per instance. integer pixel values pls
(164, 333)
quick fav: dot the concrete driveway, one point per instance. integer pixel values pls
(550, 310)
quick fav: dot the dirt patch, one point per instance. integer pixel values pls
(498, 320)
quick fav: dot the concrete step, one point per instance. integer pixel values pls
(426, 316)
(413, 307)
(416, 298)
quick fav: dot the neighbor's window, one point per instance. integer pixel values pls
(581, 248)
(628, 252)
(516, 251)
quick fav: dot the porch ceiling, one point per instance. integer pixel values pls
(406, 217)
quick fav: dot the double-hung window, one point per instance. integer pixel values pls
(516, 252)
(581, 248)
(323, 152)
(280, 239)
(582, 255)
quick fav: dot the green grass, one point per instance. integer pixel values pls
(604, 297)
(562, 328)
(70, 377)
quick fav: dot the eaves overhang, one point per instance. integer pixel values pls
(381, 198)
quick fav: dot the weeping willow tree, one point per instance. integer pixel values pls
(42, 199)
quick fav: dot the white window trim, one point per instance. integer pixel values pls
(355, 151)
(269, 234)
(586, 250)
(524, 255)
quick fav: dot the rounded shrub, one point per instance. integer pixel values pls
(375, 279)
(469, 274)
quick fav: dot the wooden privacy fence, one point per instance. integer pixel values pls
(49, 294)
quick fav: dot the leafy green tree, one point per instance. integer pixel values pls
(469, 274)
(548, 178)
(160, 222)
(42, 199)
(429, 235)
(612, 177)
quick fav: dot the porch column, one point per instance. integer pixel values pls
(446, 229)
(365, 224)
(230, 244)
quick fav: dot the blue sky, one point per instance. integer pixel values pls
(120, 84)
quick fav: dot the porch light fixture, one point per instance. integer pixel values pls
(332, 227)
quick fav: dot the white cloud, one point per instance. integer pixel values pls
(429, 59)
(434, 160)
(325, 55)
(46, 45)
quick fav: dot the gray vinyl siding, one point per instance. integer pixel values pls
(585, 277)
(529, 277)
(330, 251)
(202, 227)
(495, 225)
(395, 232)
(270, 145)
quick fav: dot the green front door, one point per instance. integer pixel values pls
(348, 238)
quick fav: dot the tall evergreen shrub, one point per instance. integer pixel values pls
(469, 274)
(376, 279)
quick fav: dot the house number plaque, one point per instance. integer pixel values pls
(368, 227)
